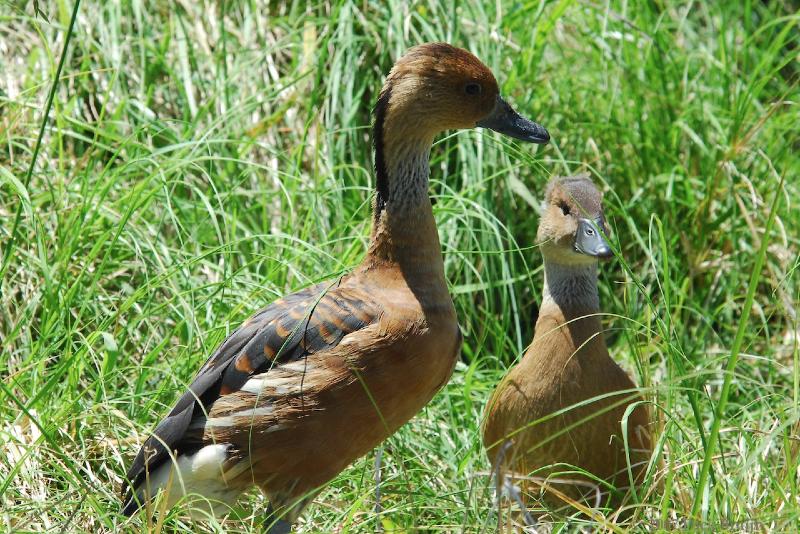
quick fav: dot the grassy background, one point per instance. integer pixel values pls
(201, 159)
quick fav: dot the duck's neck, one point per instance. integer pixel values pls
(570, 305)
(403, 228)
(402, 188)
(572, 288)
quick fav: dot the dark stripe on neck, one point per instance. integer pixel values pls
(381, 175)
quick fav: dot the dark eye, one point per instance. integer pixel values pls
(564, 208)
(472, 88)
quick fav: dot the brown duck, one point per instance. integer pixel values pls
(562, 406)
(320, 377)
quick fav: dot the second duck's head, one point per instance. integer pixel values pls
(436, 87)
(572, 227)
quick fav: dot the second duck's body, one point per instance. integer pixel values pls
(561, 410)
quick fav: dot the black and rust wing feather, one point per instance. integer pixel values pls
(312, 320)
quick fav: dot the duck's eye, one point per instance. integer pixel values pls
(472, 88)
(564, 208)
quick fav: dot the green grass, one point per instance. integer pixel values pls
(200, 160)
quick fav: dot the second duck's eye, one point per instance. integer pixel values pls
(472, 88)
(564, 208)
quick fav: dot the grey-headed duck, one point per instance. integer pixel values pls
(562, 406)
(320, 377)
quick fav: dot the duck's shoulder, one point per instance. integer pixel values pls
(407, 300)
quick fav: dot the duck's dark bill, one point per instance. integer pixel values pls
(505, 120)
(590, 241)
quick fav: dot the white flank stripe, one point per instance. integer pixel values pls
(255, 412)
(300, 366)
(219, 421)
(254, 386)
(270, 385)
(230, 420)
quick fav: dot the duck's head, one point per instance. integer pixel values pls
(572, 226)
(436, 87)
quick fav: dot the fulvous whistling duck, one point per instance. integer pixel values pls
(563, 405)
(320, 377)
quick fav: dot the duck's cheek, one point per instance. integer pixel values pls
(570, 229)
(451, 114)
(565, 242)
(455, 122)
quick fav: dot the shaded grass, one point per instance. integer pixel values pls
(200, 161)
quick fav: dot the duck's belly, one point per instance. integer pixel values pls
(595, 446)
(589, 437)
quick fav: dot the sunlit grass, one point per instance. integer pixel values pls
(201, 160)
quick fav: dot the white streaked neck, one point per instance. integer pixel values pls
(571, 287)
(404, 229)
(408, 170)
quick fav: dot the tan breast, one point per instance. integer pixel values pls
(544, 407)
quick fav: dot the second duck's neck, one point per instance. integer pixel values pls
(570, 299)
(573, 288)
